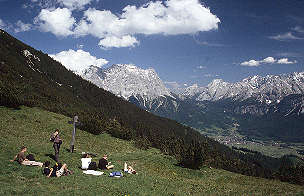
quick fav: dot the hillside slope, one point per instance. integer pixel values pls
(157, 174)
(29, 77)
(32, 78)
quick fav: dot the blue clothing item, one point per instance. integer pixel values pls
(116, 174)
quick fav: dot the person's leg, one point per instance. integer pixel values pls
(56, 148)
(110, 166)
(32, 163)
(61, 170)
(125, 167)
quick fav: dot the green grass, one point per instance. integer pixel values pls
(157, 173)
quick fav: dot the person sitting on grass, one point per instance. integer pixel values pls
(129, 169)
(85, 161)
(20, 157)
(47, 171)
(104, 164)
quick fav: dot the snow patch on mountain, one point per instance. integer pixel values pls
(126, 80)
(268, 89)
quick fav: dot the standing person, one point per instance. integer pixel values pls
(20, 157)
(104, 164)
(57, 142)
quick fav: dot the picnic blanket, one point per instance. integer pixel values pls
(93, 172)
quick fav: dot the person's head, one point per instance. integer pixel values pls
(56, 132)
(46, 164)
(23, 149)
(85, 155)
(105, 156)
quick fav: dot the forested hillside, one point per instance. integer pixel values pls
(31, 78)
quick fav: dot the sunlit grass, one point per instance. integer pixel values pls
(157, 173)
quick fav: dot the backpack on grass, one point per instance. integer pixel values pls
(92, 166)
(30, 157)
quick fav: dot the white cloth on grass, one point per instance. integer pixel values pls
(93, 172)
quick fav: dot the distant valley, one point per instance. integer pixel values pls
(255, 112)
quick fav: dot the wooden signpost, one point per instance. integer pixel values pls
(75, 122)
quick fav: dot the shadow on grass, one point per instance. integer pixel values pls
(51, 156)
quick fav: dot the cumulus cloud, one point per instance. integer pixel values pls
(59, 21)
(112, 41)
(21, 27)
(285, 37)
(251, 63)
(78, 61)
(168, 17)
(286, 61)
(172, 17)
(268, 60)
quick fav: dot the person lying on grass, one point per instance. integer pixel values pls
(104, 164)
(47, 171)
(20, 157)
(129, 169)
(55, 171)
(63, 171)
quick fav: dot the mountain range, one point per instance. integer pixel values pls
(254, 104)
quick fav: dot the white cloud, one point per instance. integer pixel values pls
(172, 17)
(268, 60)
(74, 4)
(251, 63)
(286, 61)
(21, 27)
(59, 21)
(78, 61)
(201, 67)
(285, 37)
(112, 41)
(168, 17)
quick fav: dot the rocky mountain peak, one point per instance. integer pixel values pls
(126, 80)
(270, 88)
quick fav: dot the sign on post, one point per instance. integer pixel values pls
(75, 122)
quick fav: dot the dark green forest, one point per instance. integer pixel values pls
(39, 81)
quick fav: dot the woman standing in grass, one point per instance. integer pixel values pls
(57, 142)
(20, 157)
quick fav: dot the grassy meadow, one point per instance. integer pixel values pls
(158, 174)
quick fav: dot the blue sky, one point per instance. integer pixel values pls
(185, 41)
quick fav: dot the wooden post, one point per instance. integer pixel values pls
(73, 133)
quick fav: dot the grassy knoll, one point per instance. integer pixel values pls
(157, 173)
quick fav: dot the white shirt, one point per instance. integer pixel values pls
(85, 162)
